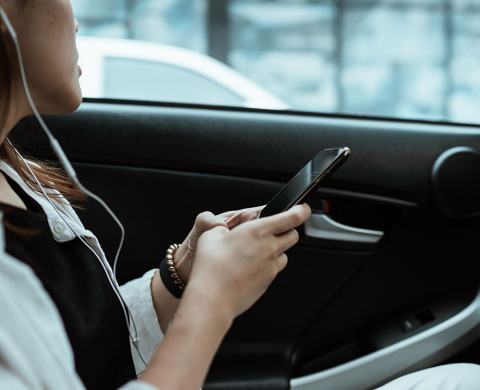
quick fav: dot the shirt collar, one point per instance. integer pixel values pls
(60, 222)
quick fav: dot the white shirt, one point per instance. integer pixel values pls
(35, 352)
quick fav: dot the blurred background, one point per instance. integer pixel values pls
(416, 59)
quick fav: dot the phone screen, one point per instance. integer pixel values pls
(302, 182)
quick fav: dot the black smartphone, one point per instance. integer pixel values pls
(307, 180)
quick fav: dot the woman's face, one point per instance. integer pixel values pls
(46, 32)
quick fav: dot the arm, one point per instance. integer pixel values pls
(138, 297)
(151, 304)
(165, 306)
(183, 359)
(232, 270)
(9, 380)
(226, 280)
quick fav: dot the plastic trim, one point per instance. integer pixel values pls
(417, 352)
(300, 113)
(322, 226)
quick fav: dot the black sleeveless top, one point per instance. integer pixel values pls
(74, 278)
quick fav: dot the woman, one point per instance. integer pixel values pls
(61, 323)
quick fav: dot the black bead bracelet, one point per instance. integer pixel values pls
(168, 272)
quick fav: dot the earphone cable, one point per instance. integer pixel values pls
(113, 282)
(72, 174)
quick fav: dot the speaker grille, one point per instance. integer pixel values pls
(456, 182)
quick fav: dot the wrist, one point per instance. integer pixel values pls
(182, 265)
(182, 261)
(192, 340)
(170, 274)
(209, 301)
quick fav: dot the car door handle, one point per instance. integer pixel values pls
(322, 226)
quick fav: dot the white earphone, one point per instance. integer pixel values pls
(57, 149)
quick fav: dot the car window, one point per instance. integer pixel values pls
(127, 78)
(414, 59)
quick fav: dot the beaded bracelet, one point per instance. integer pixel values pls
(168, 272)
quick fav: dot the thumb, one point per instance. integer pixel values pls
(206, 221)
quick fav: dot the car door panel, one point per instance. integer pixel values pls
(154, 223)
(393, 157)
(159, 165)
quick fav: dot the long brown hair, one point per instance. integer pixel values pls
(50, 176)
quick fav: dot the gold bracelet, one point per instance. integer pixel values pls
(171, 251)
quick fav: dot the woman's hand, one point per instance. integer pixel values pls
(233, 268)
(165, 304)
(206, 221)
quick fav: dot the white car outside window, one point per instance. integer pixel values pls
(136, 70)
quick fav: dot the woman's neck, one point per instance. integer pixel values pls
(18, 109)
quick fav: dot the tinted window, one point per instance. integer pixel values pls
(416, 59)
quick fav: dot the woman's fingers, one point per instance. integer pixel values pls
(228, 214)
(232, 221)
(251, 213)
(203, 223)
(206, 221)
(235, 218)
(282, 262)
(286, 240)
(286, 221)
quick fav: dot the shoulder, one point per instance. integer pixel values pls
(57, 208)
(31, 329)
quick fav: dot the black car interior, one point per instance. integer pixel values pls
(403, 212)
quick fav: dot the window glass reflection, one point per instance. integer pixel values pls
(416, 59)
